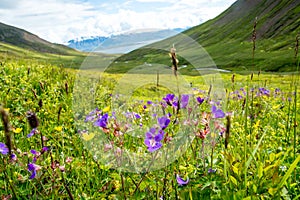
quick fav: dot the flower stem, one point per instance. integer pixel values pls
(67, 188)
(144, 175)
(123, 186)
(8, 180)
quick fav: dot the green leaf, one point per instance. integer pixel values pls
(288, 173)
(207, 184)
(255, 150)
(254, 188)
(272, 191)
(272, 157)
(235, 170)
(260, 171)
(247, 198)
(233, 180)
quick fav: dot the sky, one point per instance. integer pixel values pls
(62, 20)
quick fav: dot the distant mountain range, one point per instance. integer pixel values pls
(122, 43)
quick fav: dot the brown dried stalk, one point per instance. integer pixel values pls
(7, 128)
(174, 60)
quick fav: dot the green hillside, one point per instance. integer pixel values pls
(24, 39)
(21, 46)
(228, 38)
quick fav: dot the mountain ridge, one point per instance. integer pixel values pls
(24, 39)
(228, 37)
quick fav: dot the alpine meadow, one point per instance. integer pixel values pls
(212, 112)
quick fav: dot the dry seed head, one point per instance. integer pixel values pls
(5, 119)
(228, 124)
(67, 88)
(32, 119)
(41, 85)
(232, 78)
(7, 128)
(40, 103)
(34, 93)
(174, 59)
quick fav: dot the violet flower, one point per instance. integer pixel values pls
(181, 182)
(184, 100)
(33, 168)
(92, 115)
(32, 132)
(264, 91)
(211, 171)
(13, 157)
(3, 149)
(163, 122)
(200, 100)
(34, 152)
(137, 116)
(217, 113)
(44, 149)
(153, 140)
(169, 99)
(102, 121)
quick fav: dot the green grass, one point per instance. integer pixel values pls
(260, 162)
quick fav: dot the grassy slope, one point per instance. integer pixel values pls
(10, 52)
(24, 39)
(277, 27)
(21, 46)
(227, 38)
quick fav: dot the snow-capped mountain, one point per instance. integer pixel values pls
(122, 43)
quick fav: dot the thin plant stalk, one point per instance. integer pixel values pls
(8, 180)
(245, 135)
(144, 175)
(123, 186)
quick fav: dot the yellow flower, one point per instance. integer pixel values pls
(58, 128)
(196, 92)
(275, 107)
(17, 130)
(88, 137)
(106, 109)
(256, 125)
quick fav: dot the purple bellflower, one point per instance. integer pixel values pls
(200, 100)
(184, 100)
(182, 182)
(102, 121)
(33, 168)
(163, 122)
(217, 113)
(169, 99)
(32, 132)
(3, 149)
(153, 140)
(211, 171)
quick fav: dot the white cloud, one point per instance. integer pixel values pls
(60, 21)
(153, 1)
